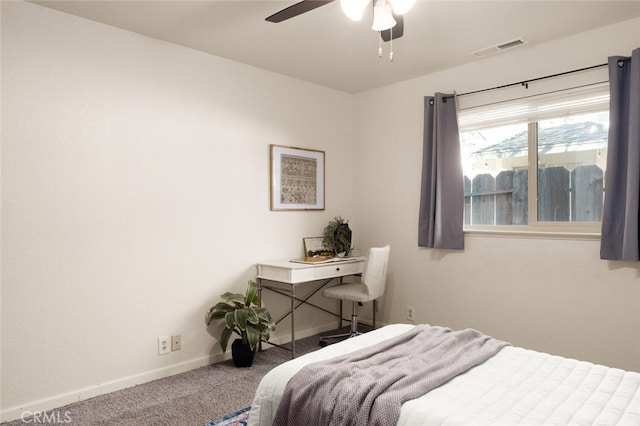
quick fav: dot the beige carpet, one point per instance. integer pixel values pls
(188, 399)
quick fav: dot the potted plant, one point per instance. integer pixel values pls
(244, 316)
(337, 237)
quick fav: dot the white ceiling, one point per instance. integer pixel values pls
(324, 47)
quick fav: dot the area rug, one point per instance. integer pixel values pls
(238, 418)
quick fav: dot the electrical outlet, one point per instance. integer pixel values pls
(411, 313)
(176, 342)
(164, 345)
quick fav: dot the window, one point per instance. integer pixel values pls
(536, 164)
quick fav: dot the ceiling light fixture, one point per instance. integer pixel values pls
(382, 16)
(383, 11)
(354, 8)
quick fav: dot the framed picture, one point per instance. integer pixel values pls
(314, 247)
(297, 178)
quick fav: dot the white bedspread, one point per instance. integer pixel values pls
(516, 386)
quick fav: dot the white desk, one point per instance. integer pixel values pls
(283, 276)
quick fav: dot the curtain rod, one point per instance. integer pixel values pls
(525, 83)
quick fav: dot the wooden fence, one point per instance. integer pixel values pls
(563, 196)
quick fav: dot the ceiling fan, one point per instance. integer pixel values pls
(388, 19)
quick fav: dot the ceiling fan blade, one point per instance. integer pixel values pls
(296, 9)
(398, 29)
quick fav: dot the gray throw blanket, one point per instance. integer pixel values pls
(367, 387)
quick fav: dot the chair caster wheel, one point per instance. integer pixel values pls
(322, 343)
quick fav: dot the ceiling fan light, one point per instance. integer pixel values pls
(354, 8)
(382, 17)
(400, 7)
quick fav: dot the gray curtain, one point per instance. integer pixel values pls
(619, 238)
(442, 195)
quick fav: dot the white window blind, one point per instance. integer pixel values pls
(560, 103)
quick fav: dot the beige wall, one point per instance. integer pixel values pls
(135, 191)
(553, 295)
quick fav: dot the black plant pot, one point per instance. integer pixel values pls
(242, 354)
(342, 239)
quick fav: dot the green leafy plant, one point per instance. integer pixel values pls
(337, 236)
(244, 316)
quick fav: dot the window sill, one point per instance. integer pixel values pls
(532, 233)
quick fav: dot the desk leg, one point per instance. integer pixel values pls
(293, 328)
(259, 297)
(292, 309)
(340, 319)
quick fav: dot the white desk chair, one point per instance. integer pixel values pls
(371, 287)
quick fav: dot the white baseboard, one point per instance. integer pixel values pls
(60, 400)
(301, 334)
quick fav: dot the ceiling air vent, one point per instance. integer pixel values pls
(499, 47)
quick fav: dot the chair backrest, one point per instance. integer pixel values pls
(374, 274)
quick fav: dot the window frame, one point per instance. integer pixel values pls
(535, 227)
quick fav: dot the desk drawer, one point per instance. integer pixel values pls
(338, 269)
(274, 273)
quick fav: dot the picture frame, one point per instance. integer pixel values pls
(314, 246)
(297, 178)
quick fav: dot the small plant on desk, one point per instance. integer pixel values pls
(337, 237)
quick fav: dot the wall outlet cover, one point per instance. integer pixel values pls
(164, 345)
(176, 342)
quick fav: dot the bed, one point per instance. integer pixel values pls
(514, 386)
